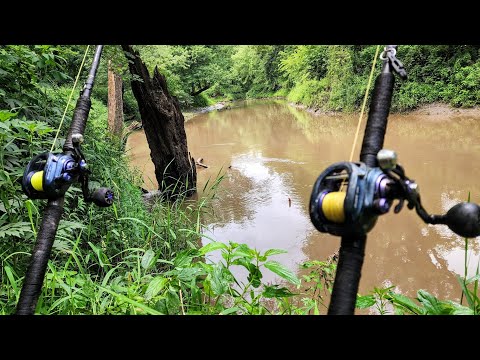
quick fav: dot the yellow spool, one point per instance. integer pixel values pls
(332, 206)
(37, 181)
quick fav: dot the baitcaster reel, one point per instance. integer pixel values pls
(355, 210)
(370, 192)
(49, 175)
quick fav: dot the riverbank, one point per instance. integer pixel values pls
(434, 109)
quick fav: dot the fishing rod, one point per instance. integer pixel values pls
(372, 185)
(49, 176)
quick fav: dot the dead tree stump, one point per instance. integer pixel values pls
(163, 123)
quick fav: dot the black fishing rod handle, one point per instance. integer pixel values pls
(347, 278)
(352, 249)
(79, 121)
(32, 285)
(82, 108)
(377, 117)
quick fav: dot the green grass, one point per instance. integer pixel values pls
(93, 245)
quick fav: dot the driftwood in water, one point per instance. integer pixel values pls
(199, 162)
(163, 123)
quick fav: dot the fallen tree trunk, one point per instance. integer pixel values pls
(163, 123)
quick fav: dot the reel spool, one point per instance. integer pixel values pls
(354, 211)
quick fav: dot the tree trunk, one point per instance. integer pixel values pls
(199, 91)
(115, 102)
(163, 123)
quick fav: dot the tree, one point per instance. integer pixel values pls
(164, 128)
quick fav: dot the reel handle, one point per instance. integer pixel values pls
(102, 197)
(463, 219)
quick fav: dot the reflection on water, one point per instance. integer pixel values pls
(264, 220)
(270, 152)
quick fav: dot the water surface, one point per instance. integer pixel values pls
(275, 153)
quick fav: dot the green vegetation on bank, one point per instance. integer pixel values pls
(328, 77)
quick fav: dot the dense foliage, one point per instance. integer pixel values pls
(330, 77)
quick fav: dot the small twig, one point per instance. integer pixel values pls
(181, 298)
(202, 165)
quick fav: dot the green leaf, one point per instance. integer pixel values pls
(230, 310)
(254, 276)
(183, 258)
(468, 295)
(282, 271)
(97, 252)
(315, 309)
(275, 291)
(8, 271)
(161, 305)
(173, 302)
(432, 305)
(148, 310)
(242, 262)
(148, 259)
(5, 115)
(155, 286)
(244, 251)
(457, 309)
(271, 252)
(405, 303)
(62, 245)
(15, 229)
(398, 311)
(219, 284)
(472, 279)
(365, 301)
(187, 274)
(212, 246)
(162, 261)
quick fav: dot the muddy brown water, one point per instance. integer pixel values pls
(276, 152)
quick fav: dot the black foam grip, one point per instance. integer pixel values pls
(33, 282)
(377, 119)
(347, 278)
(352, 250)
(79, 121)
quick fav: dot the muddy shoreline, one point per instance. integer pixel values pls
(428, 110)
(434, 109)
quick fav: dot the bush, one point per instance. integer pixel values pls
(310, 92)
